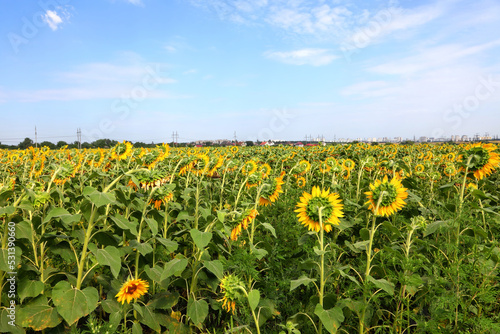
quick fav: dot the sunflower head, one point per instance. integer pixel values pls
(132, 289)
(230, 286)
(386, 197)
(121, 151)
(308, 209)
(481, 159)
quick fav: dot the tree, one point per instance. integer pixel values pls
(25, 144)
(249, 143)
(61, 143)
(48, 144)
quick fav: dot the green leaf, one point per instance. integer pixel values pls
(164, 300)
(174, 267)
(38, 315)
(28, 288)
(100, 199)
(383, 284)
(433, 227)
(197, 310)
(169, 244)
(201, 239)
(136, 328)
(154, 273)
(62, 213)
(270, 228)
(215, 267)
(253, 298)
(331, 319)
(153, 226)
(221, 215)
(258, 252)
(73, 304)
(143, 248)
(8, 210)
(184, 215)
(109, 256)
(23, 230)
(111, 306)
(10, 265)
(303, 280)
(149, 318)
(125, 224)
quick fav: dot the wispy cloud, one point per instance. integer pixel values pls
(432, 57)
(314, 57)
(136, 2)
(102, 80)
(52, 19)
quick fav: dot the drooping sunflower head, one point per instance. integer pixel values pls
(303, 167)
(162, 195)
(482, 159)
(249, 167)
(308, 209)
(243, 220)
(348, 164)
(272, 190)
(230, 286)
(386, 197)
(450, 170)
(132, 289)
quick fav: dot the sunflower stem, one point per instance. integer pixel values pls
(322, 264)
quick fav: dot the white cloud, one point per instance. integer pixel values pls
(432, 57)
(52, 19)
(314, 57)
(103, 80)
(136, 2)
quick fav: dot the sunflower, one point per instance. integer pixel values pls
(121, 151)
(324, 167)
(301, 182)
(248, 217)
(419, 169)
(162, 195)
(393, 195)
(348, 164)
(230, 286)
(308, 209)
(132, 289)
(483, 159)
(304, 166)
(450, 170)
(249, 167)
(201, 164)
(271, 194)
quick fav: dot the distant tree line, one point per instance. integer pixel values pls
(100, 143)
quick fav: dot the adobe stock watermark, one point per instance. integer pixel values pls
(280, 119)
(370, 31)
(30, 26)
(11, 275)
(122, 107)
(455, 116)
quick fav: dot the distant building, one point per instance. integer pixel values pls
(465, 138)
(423, 139)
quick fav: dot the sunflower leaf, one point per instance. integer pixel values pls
(270, 228)
(331, 319)
(303, 280)
(197, 310)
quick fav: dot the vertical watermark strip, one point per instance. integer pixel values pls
(11, 274)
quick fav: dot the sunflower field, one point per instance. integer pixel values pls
(326, 239)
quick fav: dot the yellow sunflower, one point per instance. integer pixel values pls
(248, 217)
(230, 286)
(308, 209)
(121, 151)
(271, 194)
(483, 159)
(393, 195)
(249, 167)
(132, 289)
(301, 182)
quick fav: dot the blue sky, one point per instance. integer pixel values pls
(139, 70)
